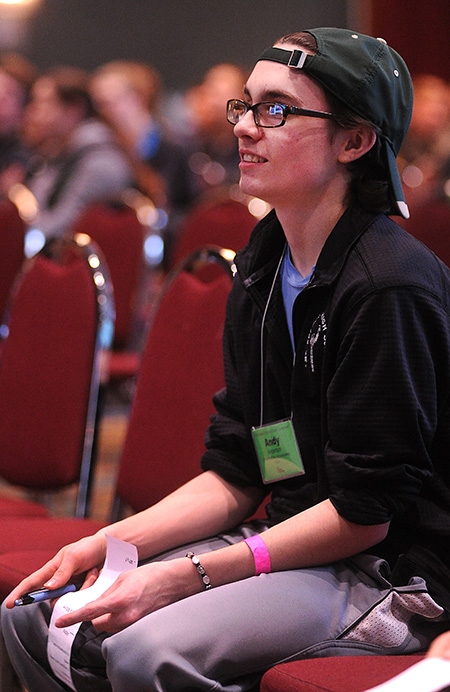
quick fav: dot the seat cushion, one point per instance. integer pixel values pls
(336, 674)
(12, 507)
(15, 566)
(43, 533)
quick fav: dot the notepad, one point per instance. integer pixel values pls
(120, 557)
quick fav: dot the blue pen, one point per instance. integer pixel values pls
(45, 594)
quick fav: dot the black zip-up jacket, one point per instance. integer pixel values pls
(368, 391)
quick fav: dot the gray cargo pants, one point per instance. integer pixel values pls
(223, 639)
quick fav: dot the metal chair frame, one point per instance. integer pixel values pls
(57, 249)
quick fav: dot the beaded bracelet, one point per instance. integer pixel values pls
(200, 569)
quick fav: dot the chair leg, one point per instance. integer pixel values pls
(9, 681)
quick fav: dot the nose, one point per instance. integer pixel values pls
(247, 126)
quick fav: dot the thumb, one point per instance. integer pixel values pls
(62, 575)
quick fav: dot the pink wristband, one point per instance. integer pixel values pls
(260, 554)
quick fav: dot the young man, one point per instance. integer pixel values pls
(17, 75)
(76, 160)
(337, 350)
(128, 95)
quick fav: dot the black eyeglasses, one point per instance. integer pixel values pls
(269, 114)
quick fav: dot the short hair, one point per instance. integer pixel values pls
(72, 87)
(20, 69)
(142, 78)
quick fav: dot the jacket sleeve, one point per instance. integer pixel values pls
(230, 451)
(385, 403)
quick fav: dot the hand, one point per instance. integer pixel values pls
(137, 593)
(75, 559)
(440, 647)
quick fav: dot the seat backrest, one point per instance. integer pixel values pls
(12, 236)
(60, 321)
(225, 223)
(116, 229)
(180, 371)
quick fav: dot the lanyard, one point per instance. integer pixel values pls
(263, 320)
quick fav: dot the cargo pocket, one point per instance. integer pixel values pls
(397, 618)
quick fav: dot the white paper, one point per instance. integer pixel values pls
(120, 557)
(429, 675)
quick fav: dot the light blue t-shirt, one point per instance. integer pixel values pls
(292, 283)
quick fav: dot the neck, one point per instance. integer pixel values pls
(307, 230)
(135, 128)
(307, 235)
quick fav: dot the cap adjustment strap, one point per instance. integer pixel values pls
(291, 58)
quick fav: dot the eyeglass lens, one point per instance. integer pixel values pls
(265, 114)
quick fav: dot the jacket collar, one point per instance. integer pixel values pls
(260, 257)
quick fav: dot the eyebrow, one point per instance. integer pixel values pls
(274, 95)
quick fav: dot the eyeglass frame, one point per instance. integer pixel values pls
(286, 110)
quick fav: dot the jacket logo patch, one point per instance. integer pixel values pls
(317, 339)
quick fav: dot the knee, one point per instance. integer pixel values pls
(11, 618)
(125, 651)
(144, 657)
(11, 625)
(22, 624)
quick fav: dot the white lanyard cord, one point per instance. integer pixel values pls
(261, 404)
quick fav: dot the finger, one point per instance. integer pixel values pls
(441, 646)
(62, 575)
(73, 618)
(90, 578)
(105, 604)
(116, 619)
(77, 558)
(108, 623)
(33, 581)
(67, 563)
(87, 613)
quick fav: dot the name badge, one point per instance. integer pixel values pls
(277, 451)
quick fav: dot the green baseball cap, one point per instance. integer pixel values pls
(370, 78)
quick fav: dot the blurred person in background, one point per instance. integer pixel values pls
(17, 75)
(214, 156)
(127, 94)
(425, 164)
(76, 160)
(425, 154)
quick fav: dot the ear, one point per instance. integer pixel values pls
(356, 143)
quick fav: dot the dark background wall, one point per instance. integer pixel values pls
(185, 37)
(419, 30)
(182, 38)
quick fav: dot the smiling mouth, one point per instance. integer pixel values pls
(249, 158)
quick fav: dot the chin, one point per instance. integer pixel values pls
(249, 187)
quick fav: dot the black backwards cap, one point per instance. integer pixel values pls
(370, 78)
